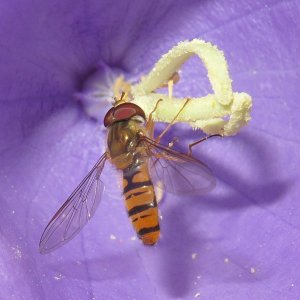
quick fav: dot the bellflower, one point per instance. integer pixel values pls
(240, 241)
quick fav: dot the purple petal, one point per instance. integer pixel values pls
(239, 242)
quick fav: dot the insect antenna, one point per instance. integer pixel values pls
(121, 100)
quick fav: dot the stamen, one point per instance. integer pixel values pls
(223, 112)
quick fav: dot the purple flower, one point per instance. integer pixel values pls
(240, 241)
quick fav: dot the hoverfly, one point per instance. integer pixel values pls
(143, 161)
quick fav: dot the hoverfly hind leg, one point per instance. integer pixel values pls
(157, 140)
(200, 141)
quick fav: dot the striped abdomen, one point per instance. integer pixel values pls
(141, 203)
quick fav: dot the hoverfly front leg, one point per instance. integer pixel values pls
(150, 122)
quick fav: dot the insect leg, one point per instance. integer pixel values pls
(199, 141)
(157, 140)
(171, 144)
(150, 122)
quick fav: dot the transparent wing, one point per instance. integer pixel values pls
(176, 172)
(76, 211)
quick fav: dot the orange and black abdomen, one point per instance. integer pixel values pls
(141, 203)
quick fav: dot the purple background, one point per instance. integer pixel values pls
(47, 145)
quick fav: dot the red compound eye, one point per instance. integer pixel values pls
(108, 119)
(122, 112)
